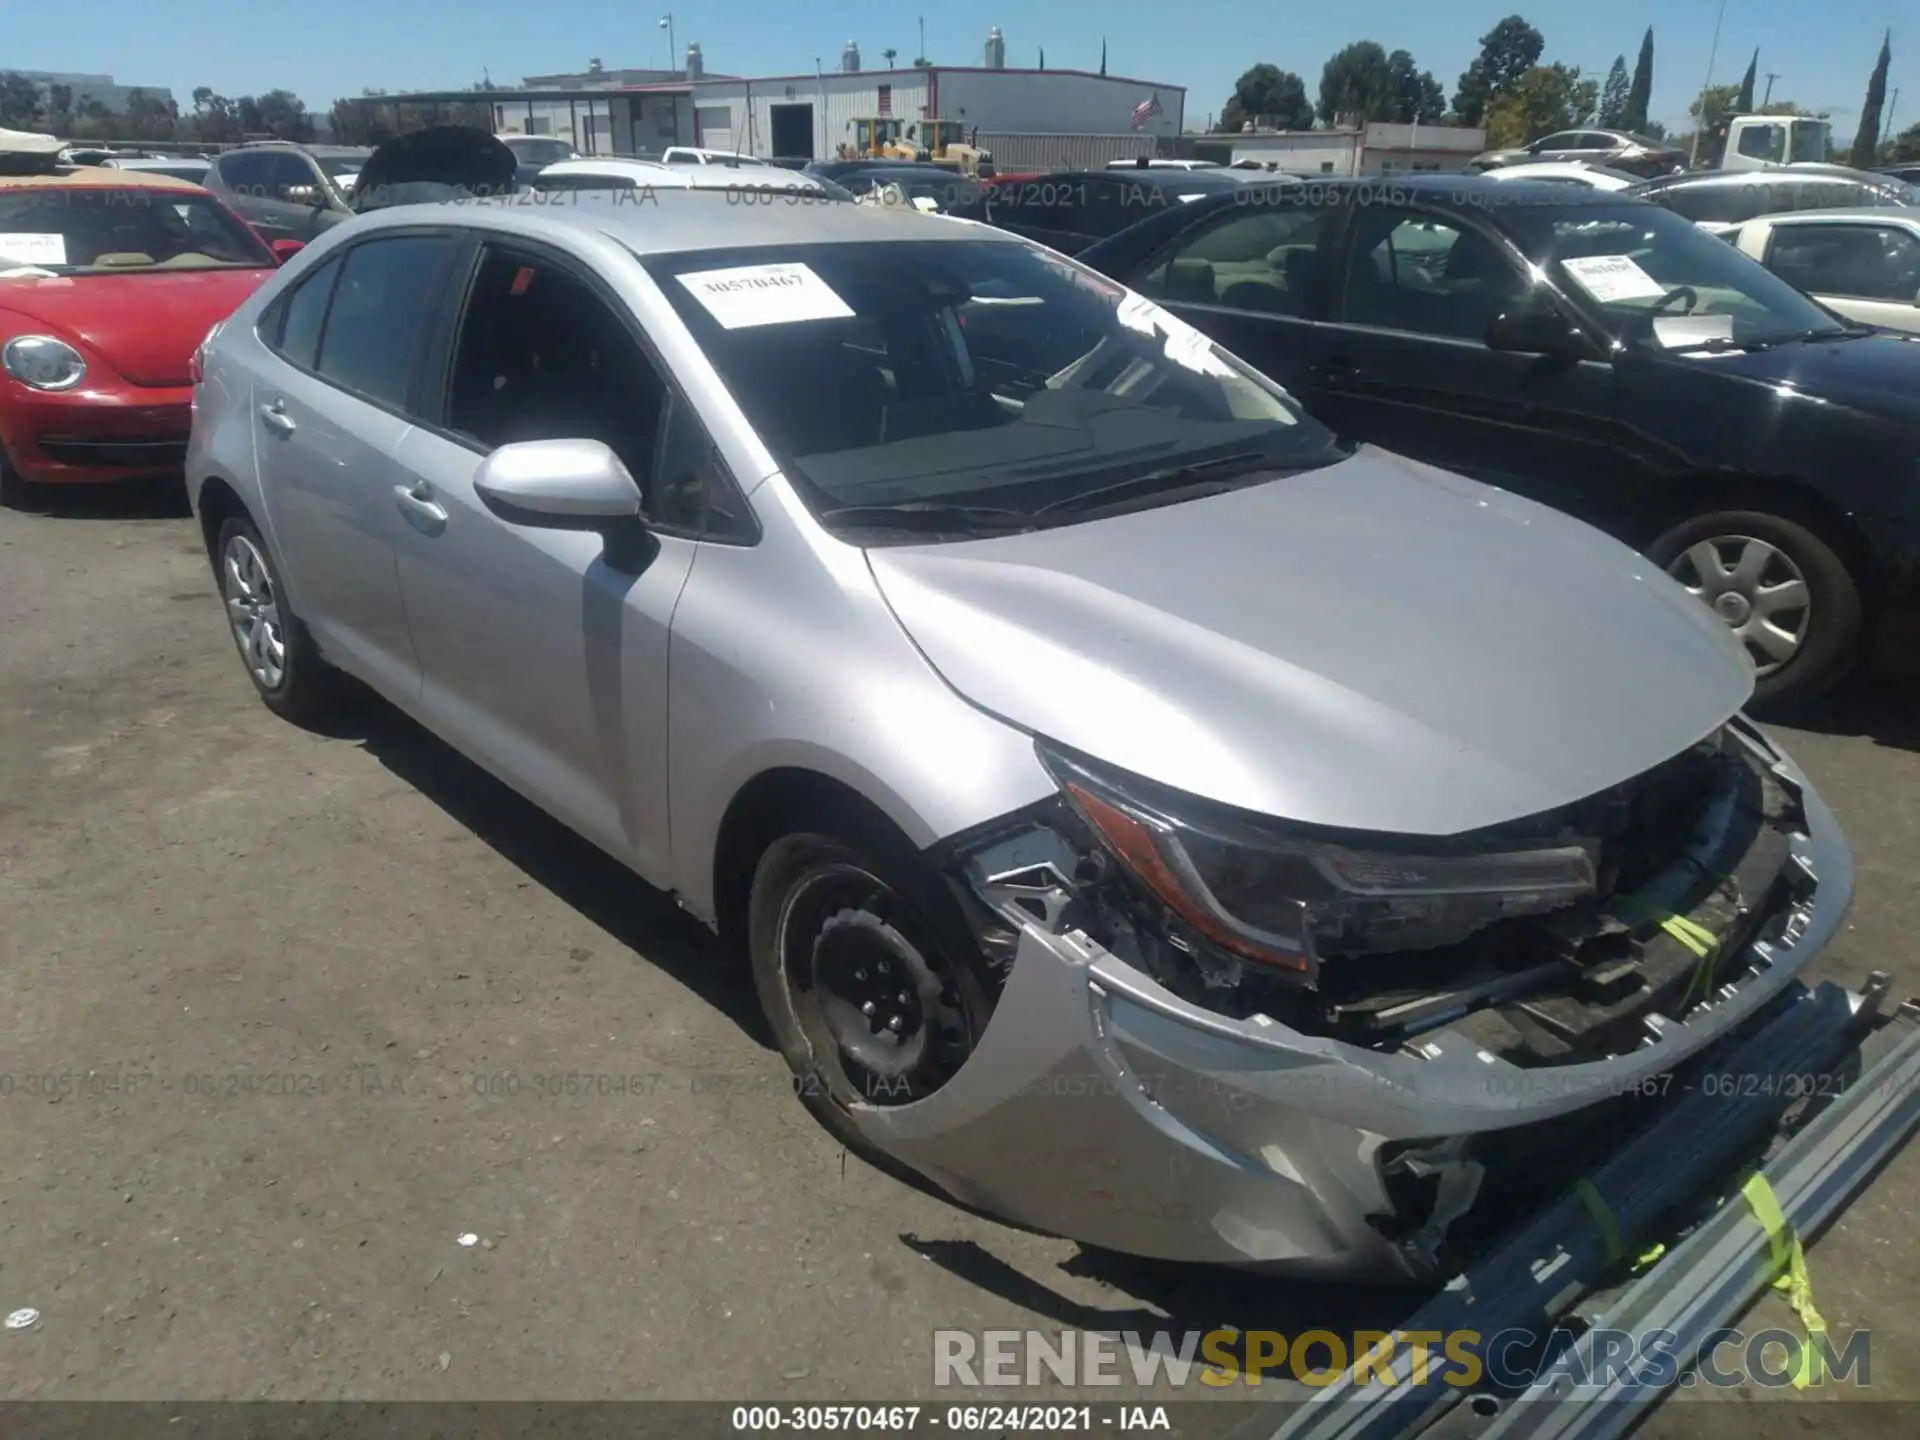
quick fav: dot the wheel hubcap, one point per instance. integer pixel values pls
(870, 988)
(1756, 589)
(253, 610)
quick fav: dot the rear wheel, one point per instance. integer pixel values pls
(280, 657)
(1780, 586)
(865, 968)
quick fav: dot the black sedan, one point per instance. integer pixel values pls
(1071, 209)
(1599, 354)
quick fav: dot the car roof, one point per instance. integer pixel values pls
(1879, 214)
(154, 162)
(100, 177)
(682, 176)
(678, 219)
(1511, 174)
(1811, 170)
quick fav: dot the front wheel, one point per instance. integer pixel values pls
(1780, 586)
(865, 968)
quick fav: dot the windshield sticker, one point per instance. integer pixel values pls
(1185, 345)
(32, 249)
(1676, 330)
(750, 295)
(1612, 277)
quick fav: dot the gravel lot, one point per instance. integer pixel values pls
(198, 896)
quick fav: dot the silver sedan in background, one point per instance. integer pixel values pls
(1862, 263)
(1145, 815)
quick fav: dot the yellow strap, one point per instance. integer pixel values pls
(1602, 1218)
(1701, 941)
(1789, 1260)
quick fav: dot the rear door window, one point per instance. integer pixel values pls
(381, 311)
(1263, 259)
(303, 315)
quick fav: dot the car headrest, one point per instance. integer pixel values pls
(1190, 280)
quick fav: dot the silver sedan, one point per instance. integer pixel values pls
(1145, 815)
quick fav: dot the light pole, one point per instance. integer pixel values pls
(666, 24)
(1713, 53)
(1772, 75)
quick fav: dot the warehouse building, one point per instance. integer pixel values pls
(1375, 148)
(813, 114)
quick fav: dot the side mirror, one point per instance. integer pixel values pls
(1533, 330)
(558, 484)
(568, 485)
(285, 250)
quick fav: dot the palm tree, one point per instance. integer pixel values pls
(888, 54)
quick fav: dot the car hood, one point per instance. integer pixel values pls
(434, 164)
(145, 326)
(1878, 373)
(1376, 645)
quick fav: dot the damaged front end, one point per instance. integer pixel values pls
(1221, 1038)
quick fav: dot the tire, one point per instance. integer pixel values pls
(278, 653)
(1746, 555)
(843, 914)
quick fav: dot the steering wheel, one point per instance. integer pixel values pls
(1679, 292)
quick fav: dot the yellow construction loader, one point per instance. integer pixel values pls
(943, 142)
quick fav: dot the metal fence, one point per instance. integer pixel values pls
(1016, 151)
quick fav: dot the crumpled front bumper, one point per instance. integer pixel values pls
(1101, 1107)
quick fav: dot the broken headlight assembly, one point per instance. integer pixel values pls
(1286, 897)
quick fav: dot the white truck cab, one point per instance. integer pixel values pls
(1761, 142)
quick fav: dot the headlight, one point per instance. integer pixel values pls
(43, 362)
(1270, 894)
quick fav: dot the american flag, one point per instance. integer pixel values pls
(1146, 110)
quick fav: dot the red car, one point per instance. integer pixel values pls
(109, 281)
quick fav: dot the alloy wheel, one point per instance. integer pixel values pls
(1756, 589)
(253, 610)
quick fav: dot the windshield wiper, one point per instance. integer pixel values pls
(1163, 483)
(931, 517)
(1720, 344)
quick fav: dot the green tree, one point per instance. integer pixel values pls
(1906, 145)
(59, 116)
(1418, 98)
(1743, 105)
(1866, 141)
(1640, 93)
(20, 105)
(1507, 52)
(1613, 95)
(1711, 112)
(1267, 91)
(1357, 85)
(1544, 99)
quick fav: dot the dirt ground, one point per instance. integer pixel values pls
(196, 897)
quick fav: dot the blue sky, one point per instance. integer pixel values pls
(1824, 52)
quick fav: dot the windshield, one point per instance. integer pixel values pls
(1661, 281)
(534, 150)
(69, 229)
(970, 372)
(1812, 143)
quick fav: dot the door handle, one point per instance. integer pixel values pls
(1335, 370)
(276, 417)
(416, 502)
